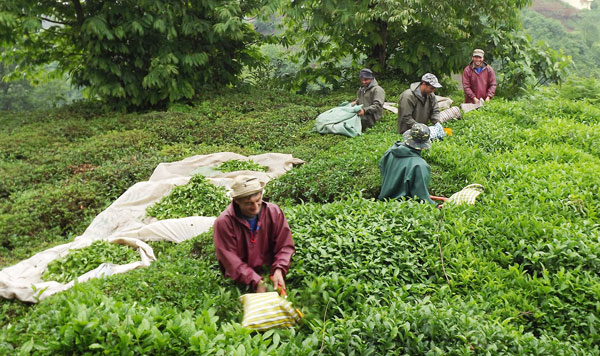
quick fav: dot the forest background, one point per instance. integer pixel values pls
(26, 85)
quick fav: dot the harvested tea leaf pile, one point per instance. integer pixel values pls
(237, 165)
(197, 198)
(80, 261)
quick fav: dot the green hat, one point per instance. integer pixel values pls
(417, 137)
(431, 80)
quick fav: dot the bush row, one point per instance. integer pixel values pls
(519, 271)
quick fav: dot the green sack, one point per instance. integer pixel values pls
(340, 120)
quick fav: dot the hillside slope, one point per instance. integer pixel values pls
(519, 274)
(557, 10)
(575, 32)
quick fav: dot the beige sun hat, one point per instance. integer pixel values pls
(244, 186)
(478, 52)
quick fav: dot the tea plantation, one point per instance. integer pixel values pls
(515, 274)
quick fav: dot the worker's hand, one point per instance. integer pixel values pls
(261, 286)
(476, 100)
(354, 102)
(361, 112)
(487, 99)
(440, 206)
(277, 279)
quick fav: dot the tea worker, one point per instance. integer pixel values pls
(478, 79)
(418, 103)
(250, 234)
(371, 96)
(404, 173)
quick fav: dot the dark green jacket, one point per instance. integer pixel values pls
(371, 98)
(404, 173)
(413, 108)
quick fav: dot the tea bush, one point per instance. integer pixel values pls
(514, 274)
(49, 211)
(83, 156)
(349, 307)
(387, 246)
(349, 166)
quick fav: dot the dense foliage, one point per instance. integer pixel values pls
(42, 92)
(579, 36)
(134, 53)
(197, 198)
(80, 261)
(409, 38)
(514, 274)
(149, 54)
(522, 67)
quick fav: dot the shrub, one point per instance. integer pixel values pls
(513, 274)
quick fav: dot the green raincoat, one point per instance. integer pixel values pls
(404, 173)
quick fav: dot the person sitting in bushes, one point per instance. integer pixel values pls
(250, 234)
(404, 173)
(371, 96)
(418, 104)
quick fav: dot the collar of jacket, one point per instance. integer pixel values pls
(413, 87)
(371, 85)
(235, 212)
(483, 65)
(401, 150)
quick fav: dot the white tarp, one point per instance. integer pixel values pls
(125, 222)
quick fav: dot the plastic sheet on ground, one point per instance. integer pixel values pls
(342, 120)
(443, 102)
(393, 107)
(125, 222)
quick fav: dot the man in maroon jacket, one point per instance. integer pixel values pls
(478, 79)
(250, 234)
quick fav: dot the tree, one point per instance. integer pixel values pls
(13, 94)
(405, 38)
(523, 66)
(581, 41)
(138, 53)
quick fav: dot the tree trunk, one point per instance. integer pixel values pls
(6, 103)
(78, 12)
(378, 52)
